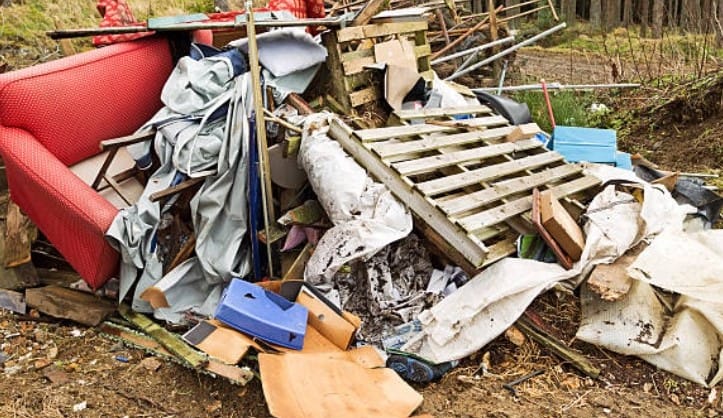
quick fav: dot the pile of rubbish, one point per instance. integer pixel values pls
(278, 217)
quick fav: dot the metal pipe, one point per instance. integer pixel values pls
(502, 78)
(507, 51)
(558, 86)
(473, 50)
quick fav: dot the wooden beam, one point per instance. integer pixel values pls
(59, 302)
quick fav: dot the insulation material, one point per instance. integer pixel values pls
(366, 216)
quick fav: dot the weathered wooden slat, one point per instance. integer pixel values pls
(506, 188)
(501, 250)
(457, 181)
(355, 61)
(435, 162)
(387, 150)
(434, 218)
(483, 122)
(384, 29)
(441, 112)
(360, 97)
(503, 212)
(369, 135)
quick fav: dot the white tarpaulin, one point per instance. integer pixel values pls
(469, 319)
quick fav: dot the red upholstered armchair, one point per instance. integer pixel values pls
(53, 116)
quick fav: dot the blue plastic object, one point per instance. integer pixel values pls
(263, 314)
(585, 144)
(622, 160)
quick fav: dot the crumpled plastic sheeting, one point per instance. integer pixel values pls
(366, 216)
(683, 339)
(285, 51)
(195, 145)
(485, 307)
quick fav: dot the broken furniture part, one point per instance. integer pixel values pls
(170, 341)
(557, 347)
(561, 226)
(511, 385)
(173, 190)
(131, 338)
(562, 257)
(463, 196)
(59, 302)
(351, 84)
(337, 326)
(263, 314)
(324, 385)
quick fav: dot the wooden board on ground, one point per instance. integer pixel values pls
(467, 185)
(611, 281)
(59, 302)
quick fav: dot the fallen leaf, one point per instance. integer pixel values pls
(647, 387)
(571, 383)
(675, 399)
(55, 376)
(515, 336)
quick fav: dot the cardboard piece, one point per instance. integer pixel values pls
(336, 326)
(563, 228)
(219, 341)
(307, 385)
(401, 69)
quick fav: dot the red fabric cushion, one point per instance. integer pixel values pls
(53, 115)
(71, 104)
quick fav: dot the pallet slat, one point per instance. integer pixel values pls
(441, 112)
(435, 162)
(522, 205)
(506, 188)
(385, 29)
(457, 181)
(385, 150)
(377, 134)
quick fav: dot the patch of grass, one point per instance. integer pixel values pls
(570, 108)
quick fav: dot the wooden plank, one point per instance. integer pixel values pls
(516, 207)
(457, 181)
(482, 122)
(333, 64)
(59, 302)
(561, 225)
(366, 95)
(369, 9)
(442, 112)
(355, 61)
(384, 29)
(388, 150)
(506, 188)
(377, 134)
(435, 219)
(435, 162)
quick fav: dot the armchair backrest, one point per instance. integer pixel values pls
(71, 104)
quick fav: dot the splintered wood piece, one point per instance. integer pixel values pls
(172, 342)
(562, 257)
(19, 235)
(561, 225)
(59, 302)
(368, 11)
(611, 281)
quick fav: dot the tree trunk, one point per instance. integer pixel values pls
(512, 12)
(690, 15)
(611, 14)
(596, 13)
(644, 17)
(569, 11)
(718, 24)
(658, 18)
(627, 12)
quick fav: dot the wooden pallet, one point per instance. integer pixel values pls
(352, 48)
(470, 188)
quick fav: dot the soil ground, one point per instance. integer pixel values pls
(52, 367)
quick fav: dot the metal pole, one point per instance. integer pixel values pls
(502, 78)
(473, 50)
(558, 86)
(507, 51)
